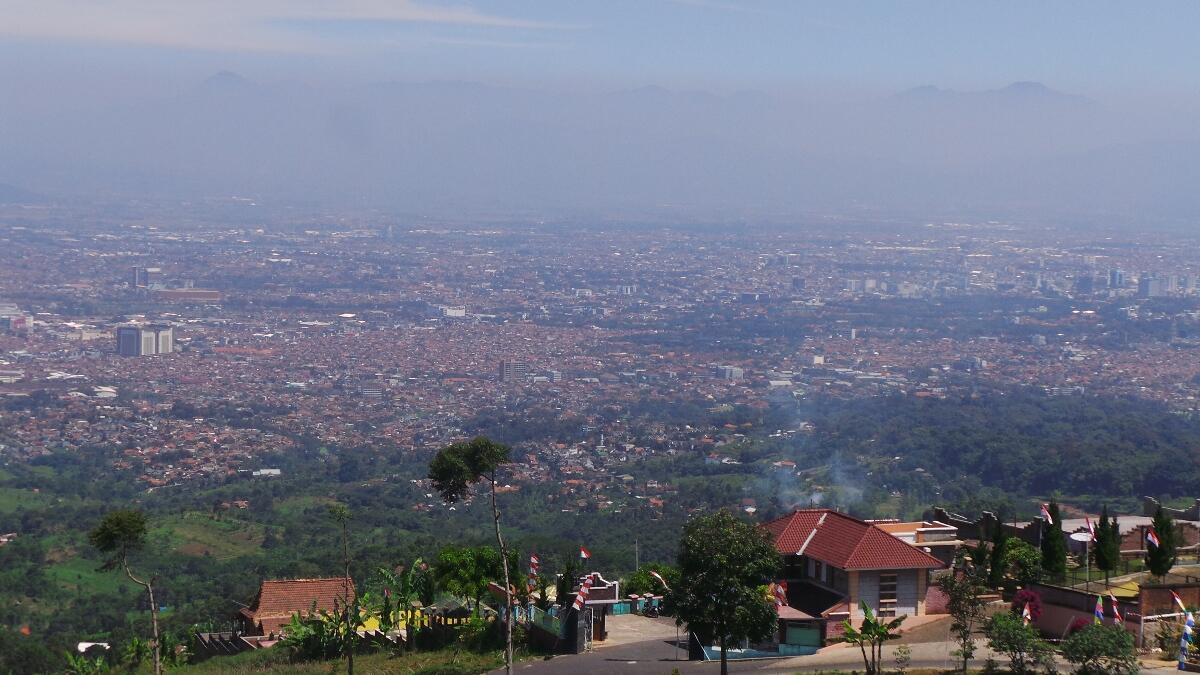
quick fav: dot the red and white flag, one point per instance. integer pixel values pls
(1026, 615)
(1152, 538)
(1116, 609)
(1178, 601)
(1091, 530)
(661, 580)
(584, 554)
(1046, 514)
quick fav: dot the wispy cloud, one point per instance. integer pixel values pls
(229, 25)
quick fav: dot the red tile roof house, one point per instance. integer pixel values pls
(832, 561)
(278, 600)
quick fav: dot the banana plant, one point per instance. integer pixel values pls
(870, 636)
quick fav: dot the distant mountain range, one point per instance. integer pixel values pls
(462, 148)
(11, 194)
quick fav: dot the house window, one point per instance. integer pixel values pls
(819, 570)
(887, 594)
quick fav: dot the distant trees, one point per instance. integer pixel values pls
(1054, 545)
(120, 533)
(727, 563)
(1160, 559)
(453, 471)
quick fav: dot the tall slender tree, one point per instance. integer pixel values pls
(1160, 559)
(1054, 545)
(453, 471)
(120, 533)
(341, 515)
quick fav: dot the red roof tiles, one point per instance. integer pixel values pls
(279, 599)
(844, 542)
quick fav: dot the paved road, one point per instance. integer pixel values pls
(629, 654)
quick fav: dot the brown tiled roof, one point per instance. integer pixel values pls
(281, 598)
(845, 542)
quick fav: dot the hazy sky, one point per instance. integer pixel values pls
(1090, 47)
(113, 98)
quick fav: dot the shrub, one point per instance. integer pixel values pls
(1007, 634)
(1030, 597)
(1101, 650)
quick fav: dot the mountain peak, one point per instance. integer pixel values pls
(226, 79)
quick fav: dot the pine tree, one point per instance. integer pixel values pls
(1101, 548)
(1114, 542)
(1160, 559)
(996, 566)
(1054, 548)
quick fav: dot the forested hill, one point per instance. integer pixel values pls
(1021, 443)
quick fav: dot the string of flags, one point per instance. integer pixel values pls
(1046, 514)
(581, 597)
(661, 580)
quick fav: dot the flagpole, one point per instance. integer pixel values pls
(1087, 570)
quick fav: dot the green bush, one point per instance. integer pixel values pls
(1101, 650)
(1026, 650)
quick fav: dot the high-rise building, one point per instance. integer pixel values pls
(1116, 278)
(129, 341)
(511, 371)
(142, 277)
(728, 372)
(145, 340)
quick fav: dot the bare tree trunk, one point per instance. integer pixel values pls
(508, 608)
(154, 645)
(724, 648)
(351, 635)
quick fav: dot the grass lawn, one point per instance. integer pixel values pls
(198, 534)
(77, 573)
(11, 498)
(275, 662)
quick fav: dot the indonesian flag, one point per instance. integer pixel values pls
(1091, 530)
(1152, 538)
(1046, 515)
(1117, 618)
(1026, 615)
(780, 593)
(535, 563)
(584, 554)
(661, 580)
(1178, 601)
